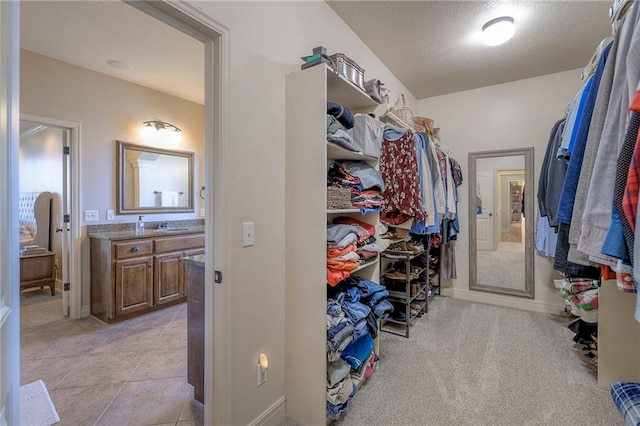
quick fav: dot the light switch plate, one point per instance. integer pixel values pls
(91, 215)
(110, 215)
(248, 234)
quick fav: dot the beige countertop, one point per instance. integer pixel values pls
(148, 233)
(196, 260)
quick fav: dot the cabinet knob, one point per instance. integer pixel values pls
(135, 249)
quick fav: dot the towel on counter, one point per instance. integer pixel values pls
(169, 198)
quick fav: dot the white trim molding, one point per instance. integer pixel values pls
(506, 301)
(85, 311)
(273, 415)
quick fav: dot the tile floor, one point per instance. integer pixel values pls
(129, 373)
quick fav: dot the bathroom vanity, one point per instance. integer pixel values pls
(135, 274)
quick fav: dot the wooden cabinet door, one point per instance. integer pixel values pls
(169, 282)
(134, 285)
(188, 253)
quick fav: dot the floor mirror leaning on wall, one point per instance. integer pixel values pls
(501, 220)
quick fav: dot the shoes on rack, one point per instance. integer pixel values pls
(399, 315)
(398, 247)
(415, 288)
(389, 235)
(395, 275)
(415, 246)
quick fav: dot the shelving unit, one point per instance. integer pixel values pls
(337, 152)
(402, 296)
(366, 265)
(435, 252)
(307, 156)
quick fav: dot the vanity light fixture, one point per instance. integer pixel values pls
(498, 30)
(160, 125)
(161, 132)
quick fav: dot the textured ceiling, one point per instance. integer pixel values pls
(433, 47)
(88, 33)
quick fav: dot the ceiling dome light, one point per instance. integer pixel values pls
(498, 30)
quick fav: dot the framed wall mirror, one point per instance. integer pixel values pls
(501, 220)
(153, 180)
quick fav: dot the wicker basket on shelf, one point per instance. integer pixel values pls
(402, 111)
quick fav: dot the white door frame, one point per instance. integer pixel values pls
(486, 220)
(75, 274)
(9, 242)
(217, 342)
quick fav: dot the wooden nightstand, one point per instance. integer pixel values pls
(38, 270)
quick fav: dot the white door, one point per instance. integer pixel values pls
(485, 237)
(9, 259)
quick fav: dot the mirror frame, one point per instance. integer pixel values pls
(528, 291)
(120, 193)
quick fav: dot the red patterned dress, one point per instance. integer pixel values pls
(399, 169)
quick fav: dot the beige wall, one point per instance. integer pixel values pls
(267, 41)
(512, 115)
(108, 109)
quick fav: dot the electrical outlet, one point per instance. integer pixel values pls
(110, 215)
(261, 375)
(91, 215)
(202, 212)
(248, 234)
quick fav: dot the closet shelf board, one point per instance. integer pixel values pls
(366, 265)
(401, 254)
(412, 321)
(336, 152)
(346, 93)
(420, 271)
(401, 296)
(343, 211)
(346, 211)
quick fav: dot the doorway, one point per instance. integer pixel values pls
(47, 157)
(41, 158)
(216, 46)
(511, 208)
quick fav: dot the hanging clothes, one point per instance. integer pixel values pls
(591, 149)
(552, 176)
(597, 214)
(399, 169)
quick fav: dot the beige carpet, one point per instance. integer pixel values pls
(503, 267)
(39, 307)
(473, 364)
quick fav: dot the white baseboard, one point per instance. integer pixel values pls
(85, 311)
(507, 301)
(272, 416)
